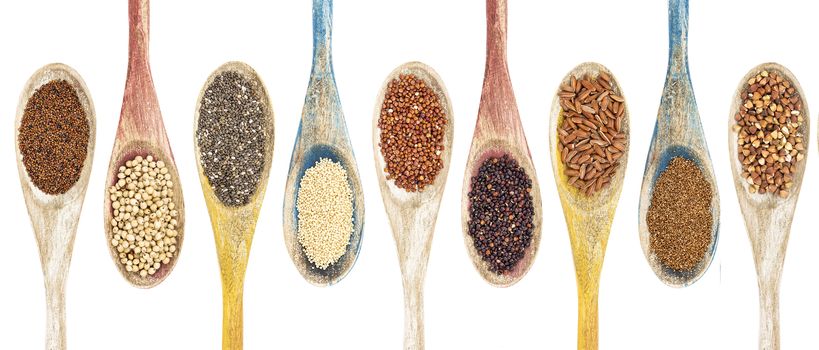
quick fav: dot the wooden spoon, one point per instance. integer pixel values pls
(233, 226)
(498, 132)
(588, 217)
(678, 133)
(141, 133)
(55, 217)
(322, 134)
(413, 214)
(768, 217)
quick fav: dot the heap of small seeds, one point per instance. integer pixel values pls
(325, 208)
(591, 137)
(231, 137)
(412, 124)
(679, 216)
(501, 213)
(144, 216)
(53, 137)
(769, 127)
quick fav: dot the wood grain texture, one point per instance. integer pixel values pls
(413, 214)
(767, 217)
(322, 134)
(141, 132)
(498, 131)
(678, 133)
(588, 218)
(234, 226)
(55, 217)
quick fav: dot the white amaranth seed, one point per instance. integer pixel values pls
(325, 207)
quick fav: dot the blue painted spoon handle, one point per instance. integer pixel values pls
(322, 37)
(678, 39)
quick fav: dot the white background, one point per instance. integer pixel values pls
(189, 39)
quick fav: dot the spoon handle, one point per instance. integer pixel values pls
(322, 37)
(232, 309)
(769, 314)
(55, 275)
(678, 39)
(496, 15)
(138, 34)
(589, 234)
(413, 315)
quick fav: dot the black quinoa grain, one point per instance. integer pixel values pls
(501, 212)
(231, 137)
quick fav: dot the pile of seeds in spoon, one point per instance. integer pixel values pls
(53, 137)
(591, 138)
(412, 124)
(144, 216)
(769, 133)
(231, 137)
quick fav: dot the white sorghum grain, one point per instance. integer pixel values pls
(325, 210)
(144, 216)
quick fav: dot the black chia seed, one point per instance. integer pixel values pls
(231, 137)
(501, 213)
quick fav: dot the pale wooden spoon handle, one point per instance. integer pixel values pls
(413, 316)
(587, 321)
(769, 315)
(55, 313)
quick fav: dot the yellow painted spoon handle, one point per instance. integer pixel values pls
(587, 315)
(232, 329)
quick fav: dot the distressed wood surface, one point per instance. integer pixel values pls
(141, 132)
(588, 218)
(322, 134)
(55, 217)
(498, 131)
(678, 133)
(234, 226)
(412, 215)
(767, 217)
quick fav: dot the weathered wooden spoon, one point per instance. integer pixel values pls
(498, 132)
(322, 134)
(678, 133)
(141, 133)
(768, 217)
(413, 214)
(233, 226)
(55, 217)
(588, 217)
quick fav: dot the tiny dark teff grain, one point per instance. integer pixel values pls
(501, 212)
(231, 137)
(412, 124)
(53, 137)
(679, 217)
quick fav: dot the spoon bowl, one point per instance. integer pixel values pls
(498, 132)
(588, 217)
(412, 215)
(234, 226)
(677, 133)
(141, 132)
(54, 218)
(322, 133)
(768, 216)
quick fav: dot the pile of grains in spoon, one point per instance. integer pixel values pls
(231, 137)
(53, 137)
(769, 133)
(144, 216)
(679, 216)
(591, 137)
(325, 213)
(412, 124)
(501, 213)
